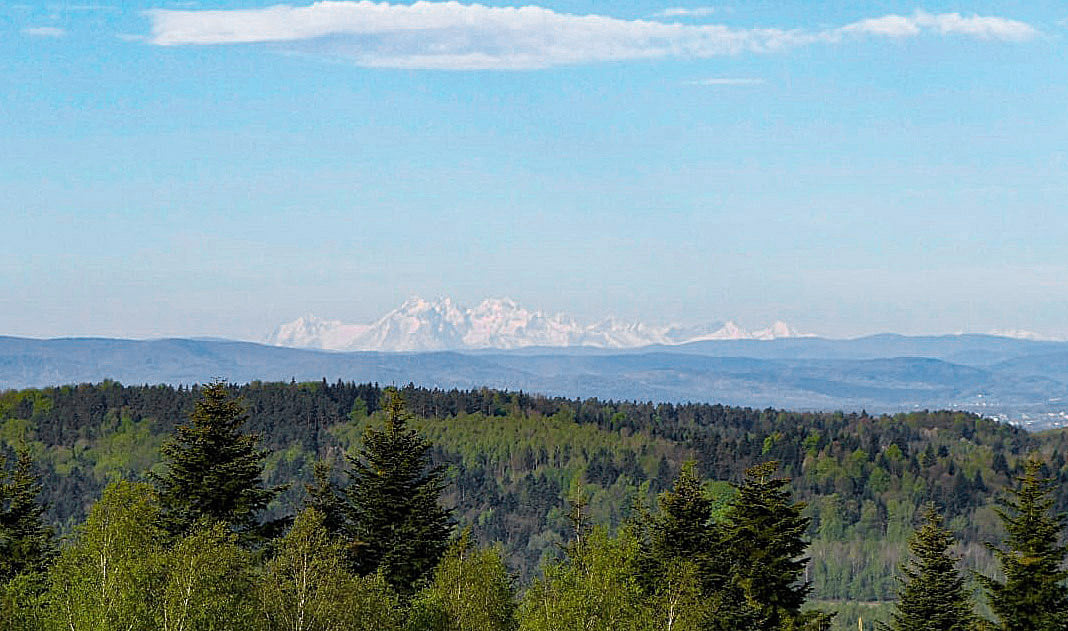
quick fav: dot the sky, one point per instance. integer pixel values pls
(216, 168)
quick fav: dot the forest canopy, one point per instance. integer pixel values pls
(503, 466)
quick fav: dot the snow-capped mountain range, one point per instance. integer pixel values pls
(425, 325)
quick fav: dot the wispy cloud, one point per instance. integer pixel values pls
(684, 12)
(44, 31)
(83, 8)
(455, 36)
(727, 81)
(984, 27)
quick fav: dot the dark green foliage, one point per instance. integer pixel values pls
(323, 496)
(684, 527)
(765, 539)
(393, 516)
(213, 470)
(684, 543)
(932, 596)
(511, 458)
(711, 556)
(26, 540)
(1033, 595)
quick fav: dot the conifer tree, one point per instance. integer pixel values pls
(322, 495)
(213, 469)
(684, 526)
(766, 539)
(26, 540)
(932, 595)
(1033, 595)
(684, 541)
(395, 520)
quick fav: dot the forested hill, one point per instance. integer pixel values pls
(513, 457)
(1020, 380)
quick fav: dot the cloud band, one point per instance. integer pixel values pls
(456, 36)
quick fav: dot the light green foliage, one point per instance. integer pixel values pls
(23, 603)
(595, 589)
(678, 602)
(124, 450)
(109, 578)
(207, 583)
(471, 591)
(306, 587)
(16, 432)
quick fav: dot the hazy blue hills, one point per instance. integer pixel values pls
(1020, 379)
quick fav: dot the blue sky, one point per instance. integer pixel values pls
(215, 168)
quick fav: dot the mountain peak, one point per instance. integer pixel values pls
(440, 324)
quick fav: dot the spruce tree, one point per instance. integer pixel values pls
(684, 539)
(684, 526)
(213, 470)
(1033, 595)
(394, 519)
(932, 596)
(26, 540)
(766, 539)
(322, 495)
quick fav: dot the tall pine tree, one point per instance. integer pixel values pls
(213, 470)
(1033, 595)
(684, 539)
(932, 596)
(394, 517)
(766, 539)
(26, 540)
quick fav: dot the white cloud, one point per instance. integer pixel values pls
(727, 81)
(683, 12)
(455, 36)
(984, 27)
(44, 31)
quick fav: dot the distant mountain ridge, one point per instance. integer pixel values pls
(1023, 380)
(497, 323)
